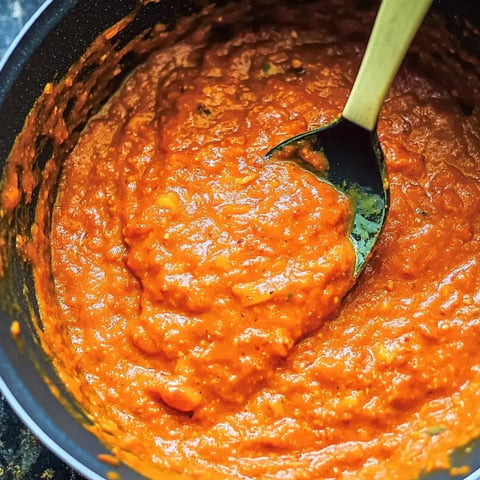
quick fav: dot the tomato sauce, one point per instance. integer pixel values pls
(203, 324)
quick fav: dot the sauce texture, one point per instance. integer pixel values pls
(200, 287)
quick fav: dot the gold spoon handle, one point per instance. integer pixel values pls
(395, 26)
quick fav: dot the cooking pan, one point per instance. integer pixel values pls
(55, 38)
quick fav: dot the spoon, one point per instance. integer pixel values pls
(350, 145)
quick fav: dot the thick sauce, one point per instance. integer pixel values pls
(200, 287)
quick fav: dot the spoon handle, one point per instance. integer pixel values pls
(395, 26)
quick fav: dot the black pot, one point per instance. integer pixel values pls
(57, 36)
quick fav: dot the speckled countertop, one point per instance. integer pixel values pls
(13, 15)
(22, 457)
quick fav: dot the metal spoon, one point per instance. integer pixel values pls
(350, 145)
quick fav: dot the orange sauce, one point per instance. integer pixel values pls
(200, 287)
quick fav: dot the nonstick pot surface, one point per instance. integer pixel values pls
(55, 38)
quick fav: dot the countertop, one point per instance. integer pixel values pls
(22, 457)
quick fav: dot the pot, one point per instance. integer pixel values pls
(55, 38)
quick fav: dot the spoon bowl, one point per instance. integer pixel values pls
(355, 167)
(346, 152)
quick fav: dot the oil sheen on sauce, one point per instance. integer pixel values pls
(202, 322)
